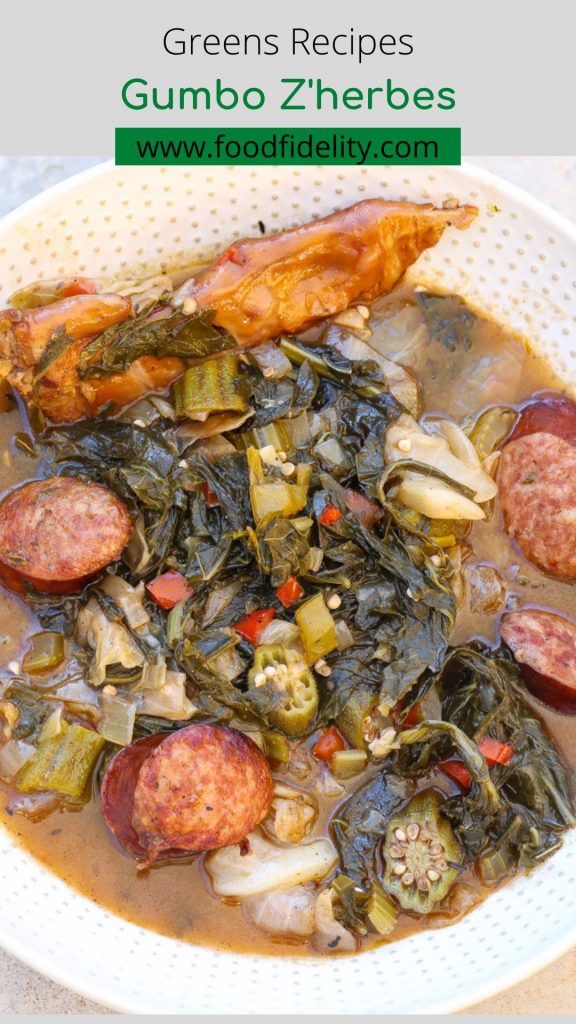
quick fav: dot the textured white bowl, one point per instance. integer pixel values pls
(517, 263)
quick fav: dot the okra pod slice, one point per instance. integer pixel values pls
(283, 671)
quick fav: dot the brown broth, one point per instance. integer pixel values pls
(175, 899)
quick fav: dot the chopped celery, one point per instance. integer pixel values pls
(174, 623)
(272, 496)
(62, 763)
(317, 628)
(344, 764)
(274, 434)
(215, 386)
(46, 652)
(381, 910)
(276, 746)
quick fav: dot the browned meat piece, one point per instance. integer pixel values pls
(537, 484)
(259, 288)
(263, 287)
(59, 533)
(544, 645)
(200, 788)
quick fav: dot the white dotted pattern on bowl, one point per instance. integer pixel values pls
(517, 262)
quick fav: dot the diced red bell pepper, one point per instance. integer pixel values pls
(252, 626)
(169, 589)
(211, 499)
(329, 515)
(78, 286)
(289, 592)
(414, 717)
(494, 752)
(329, 743)
(368, 512)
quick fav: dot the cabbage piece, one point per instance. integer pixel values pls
(111, 642)
(405, 439)
(289, 912)
(13, 756)
(170, 701)
(401, 382)
(130, 600)
(268, 867)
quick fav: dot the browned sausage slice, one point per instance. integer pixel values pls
(58, 533)
(537, 484)
(544, 645)
(203, 787)
(117, 792)
(550, 414)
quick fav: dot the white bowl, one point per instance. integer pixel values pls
(516, 262)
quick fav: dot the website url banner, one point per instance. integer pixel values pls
(289, 146)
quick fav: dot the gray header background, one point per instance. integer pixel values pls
(511, 63)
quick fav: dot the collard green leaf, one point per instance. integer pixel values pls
(187, 336)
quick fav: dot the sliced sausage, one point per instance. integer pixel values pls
(537, 484)
(59, 533)
(544, 645)
(203, 787)
(553, 414)
(117, 792)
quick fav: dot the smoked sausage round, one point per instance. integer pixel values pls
(58, 534)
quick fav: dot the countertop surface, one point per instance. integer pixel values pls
(553, 990)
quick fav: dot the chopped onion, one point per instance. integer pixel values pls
(460, 444)
(13, 756)
(228, 664)
(271, 360)
(129, 599)
(330, 936)
(435, 499)
(280, 632)
(153, 675)
(344, 637)
(111, 642)
(268, 867)
(298, 429)
(214, 447)
(52, 726)
(118, 717)
(220, 596)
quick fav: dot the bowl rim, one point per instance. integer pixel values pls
(55, 969)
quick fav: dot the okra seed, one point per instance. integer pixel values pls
(436, 560)
(139, 423)
(268, 371)
(399, 868)
(405, 444)
(407, 878)
(268, 455)
(260, 679)
(400, 835)
(433, 875)
(287, 468)
(423, 884)
(334, 601)
(436, 848)
(413, 831)
(183, 464)
(282, 456)
(270, 671)
(189, 306)
(364, 312)
(397, 852)
(441, 865)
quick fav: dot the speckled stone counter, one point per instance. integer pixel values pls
(553, 990)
